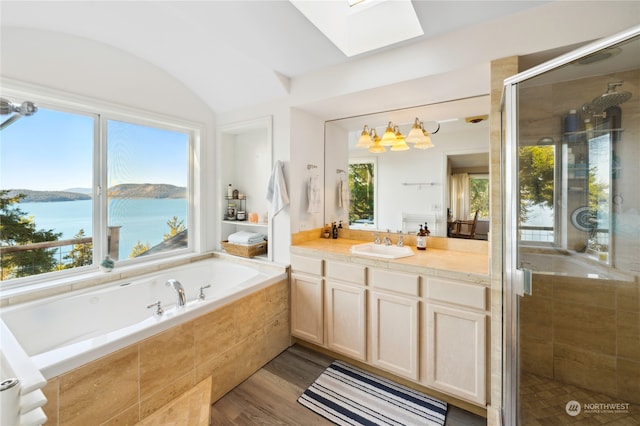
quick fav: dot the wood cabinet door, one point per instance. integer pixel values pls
(456, 352)
(394, 333)
(346, 319)
(307, 316)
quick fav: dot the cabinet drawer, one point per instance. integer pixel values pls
(395, 281)
(309, 265)
(456, 292)
(356, 274)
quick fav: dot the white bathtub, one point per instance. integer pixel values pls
(63, 332)
(561, 264)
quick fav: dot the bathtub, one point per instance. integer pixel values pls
(63, 332)
(560, 264)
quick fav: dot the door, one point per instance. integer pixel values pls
(346, 319)
(307, 316)
(572, 234)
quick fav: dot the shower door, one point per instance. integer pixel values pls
(572, 237)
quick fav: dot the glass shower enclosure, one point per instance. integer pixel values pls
(571, 200)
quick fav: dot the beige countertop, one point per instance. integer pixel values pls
(447, 263)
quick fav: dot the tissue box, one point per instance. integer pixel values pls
(245, 250)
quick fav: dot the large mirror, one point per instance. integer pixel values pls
(400, 190)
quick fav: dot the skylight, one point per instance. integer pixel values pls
(359, 26)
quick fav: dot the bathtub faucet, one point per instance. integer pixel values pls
(182, 299)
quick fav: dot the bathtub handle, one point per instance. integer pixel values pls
(158, 305)
(202, 296)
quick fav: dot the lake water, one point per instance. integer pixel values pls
(143, 220)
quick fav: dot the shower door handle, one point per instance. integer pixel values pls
(523, 284)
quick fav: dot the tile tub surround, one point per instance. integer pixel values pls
(583, 332)
(228, 344)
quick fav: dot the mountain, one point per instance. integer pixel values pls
(126, 190)
(147, 190)
(45, 196)
(87, 191)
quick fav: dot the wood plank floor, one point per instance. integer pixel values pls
(269, 397)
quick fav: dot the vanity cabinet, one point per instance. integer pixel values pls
(345, 309)
(394, 322)
(307, 307)
(455, 322)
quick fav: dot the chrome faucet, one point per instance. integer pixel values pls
(387, 241)
(182, 299)
(400, 242)
(377, 240)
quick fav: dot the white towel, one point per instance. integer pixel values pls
(344, 196)
(246, 238)
(313, 194)
(277, 190)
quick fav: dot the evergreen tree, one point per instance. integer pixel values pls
(17, 229)
(81, 254)
(139, 248)
(175, 227)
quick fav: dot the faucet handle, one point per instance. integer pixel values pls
(202, 296)
(158, 305)
(377, 240)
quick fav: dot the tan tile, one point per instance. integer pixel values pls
(584, 292)
(249, 355)
(222, 370)
(277, 336)
(168, 392)
(214, 333)
(129, 417)
(51, 392)
(536, 318)
(628, 330)
(542, 285)
(276, 299)
(628, 297)
(250, 314)
(536, 356)
(95, 392)
(590, 328)
(586, 369)
(166, 357)
(628, 377)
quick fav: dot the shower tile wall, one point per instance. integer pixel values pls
(584, 332)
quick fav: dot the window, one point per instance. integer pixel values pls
(55, 214)
(479, 195)
(537, 178)
(362, 184)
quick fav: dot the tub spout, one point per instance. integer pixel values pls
(182, 299)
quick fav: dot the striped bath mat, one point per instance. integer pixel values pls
(349, 396)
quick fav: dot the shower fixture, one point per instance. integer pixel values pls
(597, 107)
(7, 107)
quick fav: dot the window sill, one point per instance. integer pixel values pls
(94, 277)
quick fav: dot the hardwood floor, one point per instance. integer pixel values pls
(269, 397)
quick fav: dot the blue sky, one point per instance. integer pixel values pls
(53, 150)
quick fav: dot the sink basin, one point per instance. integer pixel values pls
(381, 251)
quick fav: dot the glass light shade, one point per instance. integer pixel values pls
(426, 143)
(376, 147)
(399, 144)
(365, 138)
(415, 135)
(389, 137)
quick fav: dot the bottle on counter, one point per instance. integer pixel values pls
(421, 239)
(334, 231)
(230, 191)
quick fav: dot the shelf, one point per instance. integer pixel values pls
(245, 223)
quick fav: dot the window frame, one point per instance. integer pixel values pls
(102, 111)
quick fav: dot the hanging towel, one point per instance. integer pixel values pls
(313, 194)
(277, 190)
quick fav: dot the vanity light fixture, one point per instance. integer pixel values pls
(394, 139)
